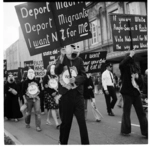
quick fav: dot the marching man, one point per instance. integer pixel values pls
(31, 90)
(71, 72)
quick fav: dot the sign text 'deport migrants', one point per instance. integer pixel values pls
(48, 26)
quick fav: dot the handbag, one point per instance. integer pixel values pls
(56, 98)
(23, 107)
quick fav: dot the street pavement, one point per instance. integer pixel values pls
(105, 132)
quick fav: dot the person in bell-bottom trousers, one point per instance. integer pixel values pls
(72, 104)
(130, 90)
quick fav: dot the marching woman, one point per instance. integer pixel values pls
(89, 95)
(11, 103)
(50, 83)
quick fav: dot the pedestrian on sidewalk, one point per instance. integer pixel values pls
(130, 90)
(11, 103)
(71, 72)
(89, 95)
(50, 90)
(109, 91)
(31, 91)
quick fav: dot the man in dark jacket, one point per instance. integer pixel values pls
(130, 90)
(71, 72)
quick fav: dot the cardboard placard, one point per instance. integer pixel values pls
(43, 30)
(94, 61)
(28, 64)
(49, 57)
(71, 19)
(39, 68)
(129, 31)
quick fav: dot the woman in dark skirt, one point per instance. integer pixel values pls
(11, 104)
(50, 91)
(89, 95)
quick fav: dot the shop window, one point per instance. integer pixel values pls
(94, 31)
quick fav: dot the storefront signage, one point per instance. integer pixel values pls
(129, 31)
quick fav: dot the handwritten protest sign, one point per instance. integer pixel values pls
(39, 68)
(47, 26)
(38, 27)
(49, 57)
(28, 64)
(94, 62)
(129, 31)
(71, 19)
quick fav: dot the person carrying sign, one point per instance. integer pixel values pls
(31, 91)
(71, 72)
(131, 92)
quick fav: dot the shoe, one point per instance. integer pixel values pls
(59, 143)
(27, 126)
(98, 120)
(48, 123)
(58, 126)
(125, 134)
(146, 136)
(42, 113)
(38, 129)
(16, 120)
(111, 114)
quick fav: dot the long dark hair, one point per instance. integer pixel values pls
(134, 68)
(48, 71)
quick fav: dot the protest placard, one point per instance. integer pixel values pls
(49, 57)
(129, 31)
(94, 61)
(39, 68)
(28, 64)
(37, 24)
(47, 26)
(71, 19)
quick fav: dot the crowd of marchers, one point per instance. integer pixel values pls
(66, 89)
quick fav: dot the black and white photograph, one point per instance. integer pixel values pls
(74, 73)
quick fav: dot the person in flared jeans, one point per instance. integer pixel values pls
(72, 103)
(126, 121)
(36, 104)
